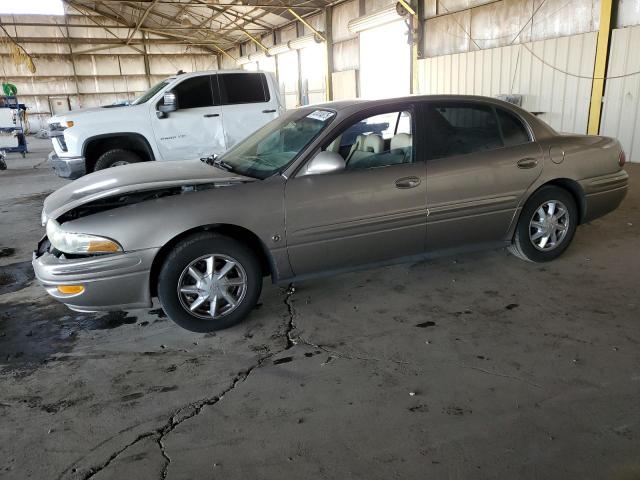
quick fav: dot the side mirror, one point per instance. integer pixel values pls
(169, 104)
(324, 162)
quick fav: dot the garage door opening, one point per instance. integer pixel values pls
(385, 61)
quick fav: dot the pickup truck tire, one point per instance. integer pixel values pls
(115, 158)
(209, 272)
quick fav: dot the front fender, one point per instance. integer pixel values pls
(139, 136)
(254, 206)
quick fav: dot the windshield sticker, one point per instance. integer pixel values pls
(322, 115)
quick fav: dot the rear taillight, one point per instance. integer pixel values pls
(622, 158)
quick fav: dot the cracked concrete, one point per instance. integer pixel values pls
(478, 366)
(192, 410)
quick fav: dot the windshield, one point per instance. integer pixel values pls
(146, 96)
(274, 146)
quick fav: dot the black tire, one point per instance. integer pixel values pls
(523, 246)
(195, 247)
(117, 155)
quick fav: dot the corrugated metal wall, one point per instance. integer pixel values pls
(535, 70)
(457, 26)
(102, 76)
(621, 109)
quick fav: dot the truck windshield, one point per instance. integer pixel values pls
(146, 96)
(270, 149)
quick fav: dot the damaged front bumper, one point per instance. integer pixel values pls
(68, 167)
(109, 282)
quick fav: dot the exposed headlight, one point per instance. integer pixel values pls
(68, 242)
(43, 218)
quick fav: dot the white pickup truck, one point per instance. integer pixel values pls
(186, 116)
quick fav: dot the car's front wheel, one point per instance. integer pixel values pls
(546, 226)
(209, 282)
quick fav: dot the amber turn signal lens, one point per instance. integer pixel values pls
(70, 289)
(70, 123)
(102, 246)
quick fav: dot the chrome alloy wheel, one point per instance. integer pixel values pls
(549, 225)
(212, 286)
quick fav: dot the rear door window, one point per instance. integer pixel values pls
(460, 129)
(513, 131)
(239, 88)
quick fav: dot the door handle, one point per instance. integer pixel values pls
(527, 163)
(407, 182)
(209, 115)
(269, 111)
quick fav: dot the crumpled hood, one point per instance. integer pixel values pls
(134, 178)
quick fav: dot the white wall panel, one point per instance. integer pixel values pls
(316, 21)
(132, 65)
(345, 85)
(102, 65)
(621, 109)
(228, 63)
(170, 64)
(628, 13)
(552, 75)
(342, 13)
(346, 55)
(504, 22)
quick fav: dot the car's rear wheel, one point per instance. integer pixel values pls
(546, 226)
(115, 158)
(209, 282)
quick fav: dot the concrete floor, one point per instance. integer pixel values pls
(478, 366)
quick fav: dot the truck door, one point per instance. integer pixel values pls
(195, 130)
(247, 104)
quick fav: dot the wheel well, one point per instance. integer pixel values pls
(238, 233)
(576, 192)
(96, 146)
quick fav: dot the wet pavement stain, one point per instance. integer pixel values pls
(162, 389)
(456, 411)
(7, 252)
(132, 396)
(109, 321)
(426, 324)
(283, 360)
(421, 408)
(158, 312)
(15, 277)
(55, 407)
(32, 334)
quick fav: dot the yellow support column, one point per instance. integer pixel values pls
(600, 69)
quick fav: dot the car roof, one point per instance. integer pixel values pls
(347, 107)
(343, 104)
